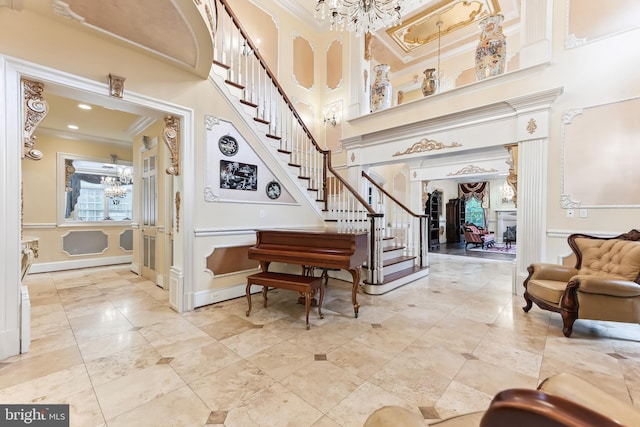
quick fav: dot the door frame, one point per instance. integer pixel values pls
(12, 70)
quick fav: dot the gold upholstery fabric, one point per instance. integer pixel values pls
(548, 290)
(616, 259)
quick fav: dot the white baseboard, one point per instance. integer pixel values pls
(46, 267)
(212, 296)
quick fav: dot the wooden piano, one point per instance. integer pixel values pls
(347, 251)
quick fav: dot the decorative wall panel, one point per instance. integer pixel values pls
(600, 156)
(126, 240)
(589, 21)
(234, 172)
(334, 65)
(228, 260)
(85, 242)
(303, 64)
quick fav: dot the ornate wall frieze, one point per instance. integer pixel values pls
(170, 136)
(35, 110)
(470, 170)
(426, 144)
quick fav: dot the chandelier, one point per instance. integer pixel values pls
(113, 189)
(359, 16)
(125, 175)
(507, 193)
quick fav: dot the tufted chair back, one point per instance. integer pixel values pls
(614, 258)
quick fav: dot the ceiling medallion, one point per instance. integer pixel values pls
(426, 145)
(471, 169)
(359, 16)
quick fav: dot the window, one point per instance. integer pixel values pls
(95, 190)
(474, 212)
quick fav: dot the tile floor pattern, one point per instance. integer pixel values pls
(105, 341)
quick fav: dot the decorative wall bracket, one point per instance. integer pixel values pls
(116, 86)
(35, 110)
(170, 136)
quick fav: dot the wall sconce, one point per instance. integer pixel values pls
(330, 118)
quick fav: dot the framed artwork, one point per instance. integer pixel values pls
(238, 176)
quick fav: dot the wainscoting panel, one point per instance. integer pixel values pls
(85, 242)
(232, 259)
(126, 240)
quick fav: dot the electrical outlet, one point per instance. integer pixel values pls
(262, 213)
(583, 213)
(570, 213)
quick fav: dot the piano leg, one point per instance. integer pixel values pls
(355, 274)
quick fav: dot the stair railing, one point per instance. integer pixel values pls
(248, 71)
(407, 228)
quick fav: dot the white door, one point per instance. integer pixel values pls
(149, 212)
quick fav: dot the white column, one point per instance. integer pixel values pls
(532, 207)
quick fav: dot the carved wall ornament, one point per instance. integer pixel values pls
(170, 136)
(512, 178)
(35, 110)
(353, 157)
(532, 126)
(426, 144)
(471, 169)
(211, 121)
(63, 9)
(567, 203)
(178, 199)
(367, 46)
(568, 115)
(69, 170)
(116, 86)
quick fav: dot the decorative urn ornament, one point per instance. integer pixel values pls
(430, 82)
(381, 88)
(491, 52)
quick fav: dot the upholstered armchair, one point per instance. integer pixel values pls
(603, 285)
(561, 400)
(477, 236)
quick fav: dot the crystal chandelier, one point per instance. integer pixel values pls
(507, 193)
(359, 16)
(125, 175)
(113, 189)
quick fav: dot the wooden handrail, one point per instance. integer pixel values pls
(396, 201)
(272, 76)
(274, 80)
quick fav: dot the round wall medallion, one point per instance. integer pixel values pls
(273, 190)
(228, 145)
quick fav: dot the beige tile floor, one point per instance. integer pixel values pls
(105, 341)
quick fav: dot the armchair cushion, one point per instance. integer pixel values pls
(617, 259)
(606, 286)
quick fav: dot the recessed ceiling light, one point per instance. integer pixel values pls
(74, 127)
(84, 106)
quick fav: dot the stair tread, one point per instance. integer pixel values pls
(220, 64)
(234, 84)
(396, 260)
(249, 103)
(388, 278)
(392, 248)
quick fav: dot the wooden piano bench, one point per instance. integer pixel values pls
(308, 286)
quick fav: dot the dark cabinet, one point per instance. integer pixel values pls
(455, 219)
(432, 209)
